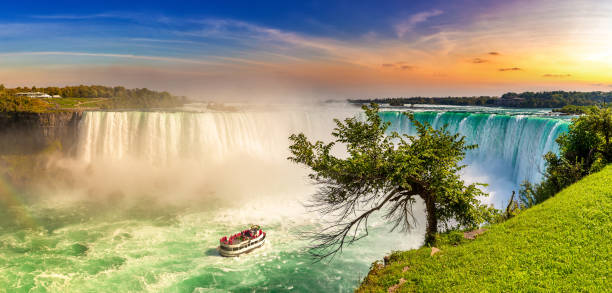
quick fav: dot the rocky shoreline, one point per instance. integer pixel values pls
(27, 132)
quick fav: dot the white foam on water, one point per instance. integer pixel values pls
(226, 170)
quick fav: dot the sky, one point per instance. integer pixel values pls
(309, 50)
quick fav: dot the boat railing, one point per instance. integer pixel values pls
(244, 244)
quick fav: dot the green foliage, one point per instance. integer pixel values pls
(562, 245)
(573, 109)
(453, 238)
(22, 104)
(147, 102)
(529, 195)
(555, 99)
(512, 209)
(460, 101)
(86, 97)
(584, 150)
(387, 172)
(92, 91)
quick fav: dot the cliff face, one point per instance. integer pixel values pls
(24, 133)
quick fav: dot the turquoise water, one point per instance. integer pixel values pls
(117, 247)
(516, 140)
(511, 144)
(153, 192)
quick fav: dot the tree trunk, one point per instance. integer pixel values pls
(432, 221)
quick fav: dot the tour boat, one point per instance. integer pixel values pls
(242, 242)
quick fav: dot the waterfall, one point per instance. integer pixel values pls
(151, 193)
(162, 137)
(515, 144)
(204, 155)
(253, 145)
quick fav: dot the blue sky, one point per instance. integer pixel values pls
(329, 18)
(309, 49)
(172, 20)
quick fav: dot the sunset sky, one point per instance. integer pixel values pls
(310, 49)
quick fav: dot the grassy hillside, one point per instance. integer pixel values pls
(36, 105)
(561, 245)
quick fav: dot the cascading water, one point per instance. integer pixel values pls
(511, 147)
(160, 188)
(209, 136)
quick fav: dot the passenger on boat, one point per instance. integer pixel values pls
(253, 233)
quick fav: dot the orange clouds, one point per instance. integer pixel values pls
(510, 69)
(511, 47)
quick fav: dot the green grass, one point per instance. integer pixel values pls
(561, 245)
(35, 105)
(78, 103)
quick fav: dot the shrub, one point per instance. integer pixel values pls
(584, 150)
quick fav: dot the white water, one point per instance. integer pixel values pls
(243, 154)
(510, 147)
(195, 177)
(232, 168)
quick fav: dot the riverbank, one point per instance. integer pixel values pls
(562, 244)
(30, 132)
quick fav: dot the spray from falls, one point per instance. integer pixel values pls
(232, 149)
(230, 155)
(236, 162)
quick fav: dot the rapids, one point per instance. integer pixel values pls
(154, 191)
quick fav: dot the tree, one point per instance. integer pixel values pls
(386, 172)
(586, 148)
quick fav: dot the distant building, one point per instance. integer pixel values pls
(510, 100)
(33, 95)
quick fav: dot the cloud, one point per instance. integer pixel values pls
(109, 55)
(398, 65)
(247, 33)
(409, 24)
(130, 16)
(556, 75)
(448, 43)
(85, 16)
(161, 41)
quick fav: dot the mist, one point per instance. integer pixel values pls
(147, 194)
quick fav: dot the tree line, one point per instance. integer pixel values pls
(119, 97)
(552, 99)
